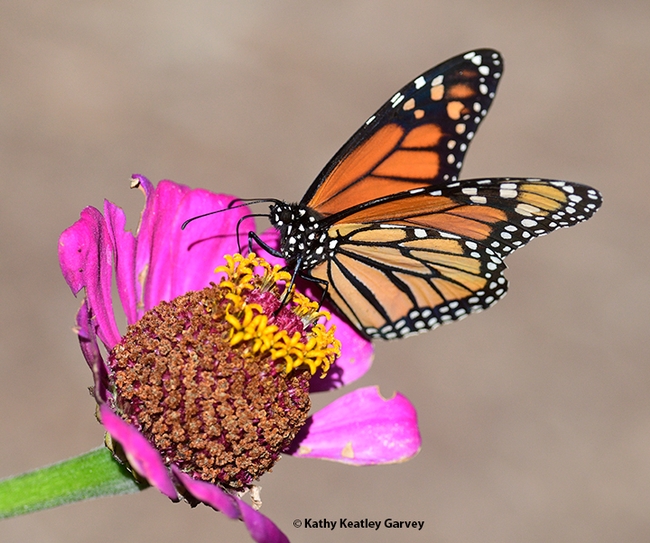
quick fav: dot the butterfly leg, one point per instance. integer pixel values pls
(287, 291)
(322, 283)
(297, 271)
(254, 238)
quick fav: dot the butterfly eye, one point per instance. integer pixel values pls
(285, 216)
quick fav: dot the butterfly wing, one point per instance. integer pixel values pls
(412, 261)
(392, 282)
(417, 139)
(401, 243)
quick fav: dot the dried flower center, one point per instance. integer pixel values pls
(218, 380)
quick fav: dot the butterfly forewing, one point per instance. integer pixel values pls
(417, 139)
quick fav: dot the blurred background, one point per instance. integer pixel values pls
(535, 415)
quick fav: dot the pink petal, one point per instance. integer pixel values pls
(153, 253)
(125, 245)
(261, 527)
(357, 354)
(90, 349)
(171, 261)
(141, 454)
(141, 182)
(196, 251)
(361, 428)
(86, 258)
(208, 493)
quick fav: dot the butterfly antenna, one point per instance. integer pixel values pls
(242, 202)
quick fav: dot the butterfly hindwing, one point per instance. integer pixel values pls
(392, 282)
(417, 139)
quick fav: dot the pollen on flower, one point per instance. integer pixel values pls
(260, 313)
(218, 380)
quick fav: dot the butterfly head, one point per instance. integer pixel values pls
(282, 214)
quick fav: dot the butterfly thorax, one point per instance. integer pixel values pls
(302, 234)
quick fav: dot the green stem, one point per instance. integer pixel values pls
(89, 475)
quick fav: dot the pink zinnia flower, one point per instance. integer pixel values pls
(136, 392)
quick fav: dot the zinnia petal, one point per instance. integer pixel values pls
(141, 454)
(199, 249)
(124, 244)
(209, 494)
(171, 261)
(260, 527)
(154, 252)
(86, 258)
(90, 349)
(361, 428)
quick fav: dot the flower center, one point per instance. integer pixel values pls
(218, 380)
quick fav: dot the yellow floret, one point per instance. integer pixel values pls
(317, 348)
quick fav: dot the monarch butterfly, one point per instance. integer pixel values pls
(400, 244)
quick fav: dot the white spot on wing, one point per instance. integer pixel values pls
(397, 98)
(527, 209)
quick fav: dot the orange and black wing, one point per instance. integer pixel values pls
(418, 259)
(417, 139)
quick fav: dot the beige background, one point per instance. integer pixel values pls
(535, 415)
